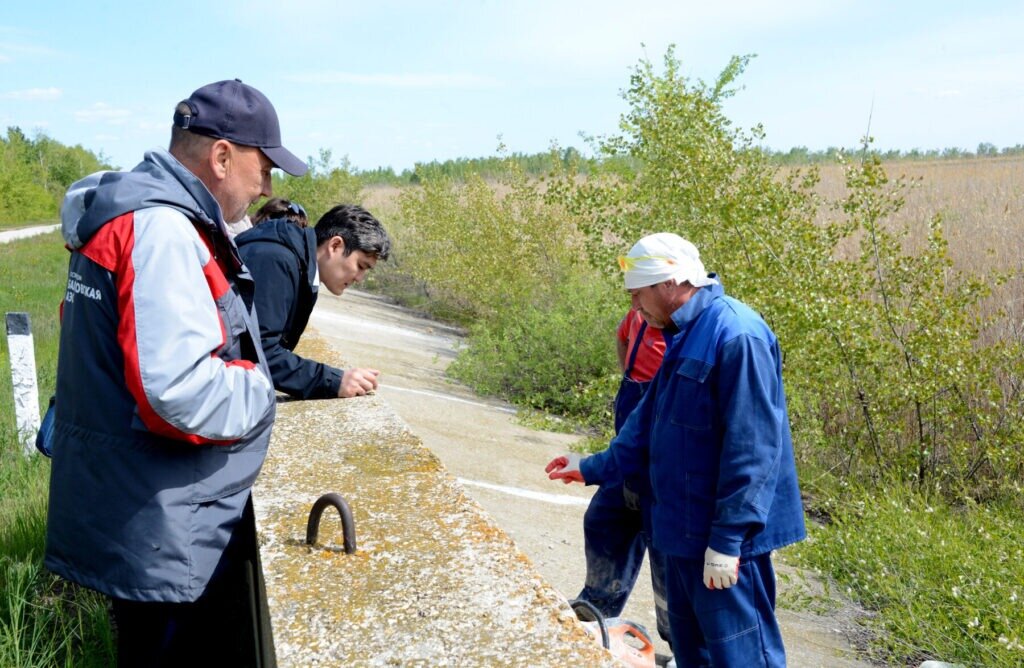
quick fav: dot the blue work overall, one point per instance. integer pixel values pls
(616, 528)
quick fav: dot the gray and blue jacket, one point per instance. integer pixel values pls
(164, 403)
(713, 431)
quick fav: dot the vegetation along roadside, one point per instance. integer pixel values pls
(903, 359)
(898, 315)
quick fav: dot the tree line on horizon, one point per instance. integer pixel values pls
(540, 164)
(36, 171)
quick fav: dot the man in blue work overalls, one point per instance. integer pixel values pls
(713, 433)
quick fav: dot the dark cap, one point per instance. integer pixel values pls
(241, 114)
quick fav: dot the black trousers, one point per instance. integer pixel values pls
(228, 626)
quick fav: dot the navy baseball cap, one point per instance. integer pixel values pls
(241, 114)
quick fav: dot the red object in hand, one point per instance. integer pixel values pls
(565, 468)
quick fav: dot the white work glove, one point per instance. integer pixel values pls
(720, 571)
(566, 468)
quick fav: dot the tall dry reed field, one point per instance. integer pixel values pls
(981, 202)
(381, 201)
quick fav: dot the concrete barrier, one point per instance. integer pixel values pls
(433, 582)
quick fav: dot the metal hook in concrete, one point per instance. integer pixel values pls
(348, 525)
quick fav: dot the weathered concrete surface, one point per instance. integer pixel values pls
(434, 580)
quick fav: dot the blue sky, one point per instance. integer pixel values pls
(392, 83)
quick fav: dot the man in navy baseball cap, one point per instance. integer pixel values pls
(160, 519)
(241, 114)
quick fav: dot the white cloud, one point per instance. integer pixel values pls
(102, 112)
(5, 59)
(455, 80)
(33, 95)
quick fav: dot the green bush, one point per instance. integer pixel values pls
(321, 188)
(892, 385)
(942, 581)
(502, 258)
(885, 363)
(556, 355)
(487, 248)
(887, 353)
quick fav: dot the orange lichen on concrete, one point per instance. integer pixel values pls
(433, 582)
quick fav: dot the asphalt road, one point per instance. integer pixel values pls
(8, 236)
(501, 463)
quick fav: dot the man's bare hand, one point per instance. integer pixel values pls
(357, 382)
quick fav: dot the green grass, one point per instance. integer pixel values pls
(33, 272)
(942, 581)
(43, 620)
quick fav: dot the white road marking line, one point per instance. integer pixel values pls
(446, 397)
(558, 499)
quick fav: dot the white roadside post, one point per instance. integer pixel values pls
(23, 378)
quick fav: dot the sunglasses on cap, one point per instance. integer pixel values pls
(627, 263)
(297, 209)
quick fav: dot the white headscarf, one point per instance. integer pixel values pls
(664, 256)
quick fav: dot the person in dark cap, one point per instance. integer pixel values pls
(164, 400)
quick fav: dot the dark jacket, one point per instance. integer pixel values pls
(282, 258)
(164, 400)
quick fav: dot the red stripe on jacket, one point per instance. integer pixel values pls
(111, 248)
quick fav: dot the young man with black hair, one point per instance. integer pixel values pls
(288, 262)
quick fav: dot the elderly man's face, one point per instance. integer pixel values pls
(247, 179)
(656, 303)
(652, 304)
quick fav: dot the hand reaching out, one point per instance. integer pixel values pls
(565, 468)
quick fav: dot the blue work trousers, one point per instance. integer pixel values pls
(719, 628)
(615, 542)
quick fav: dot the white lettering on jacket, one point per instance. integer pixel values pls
(77, 287)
